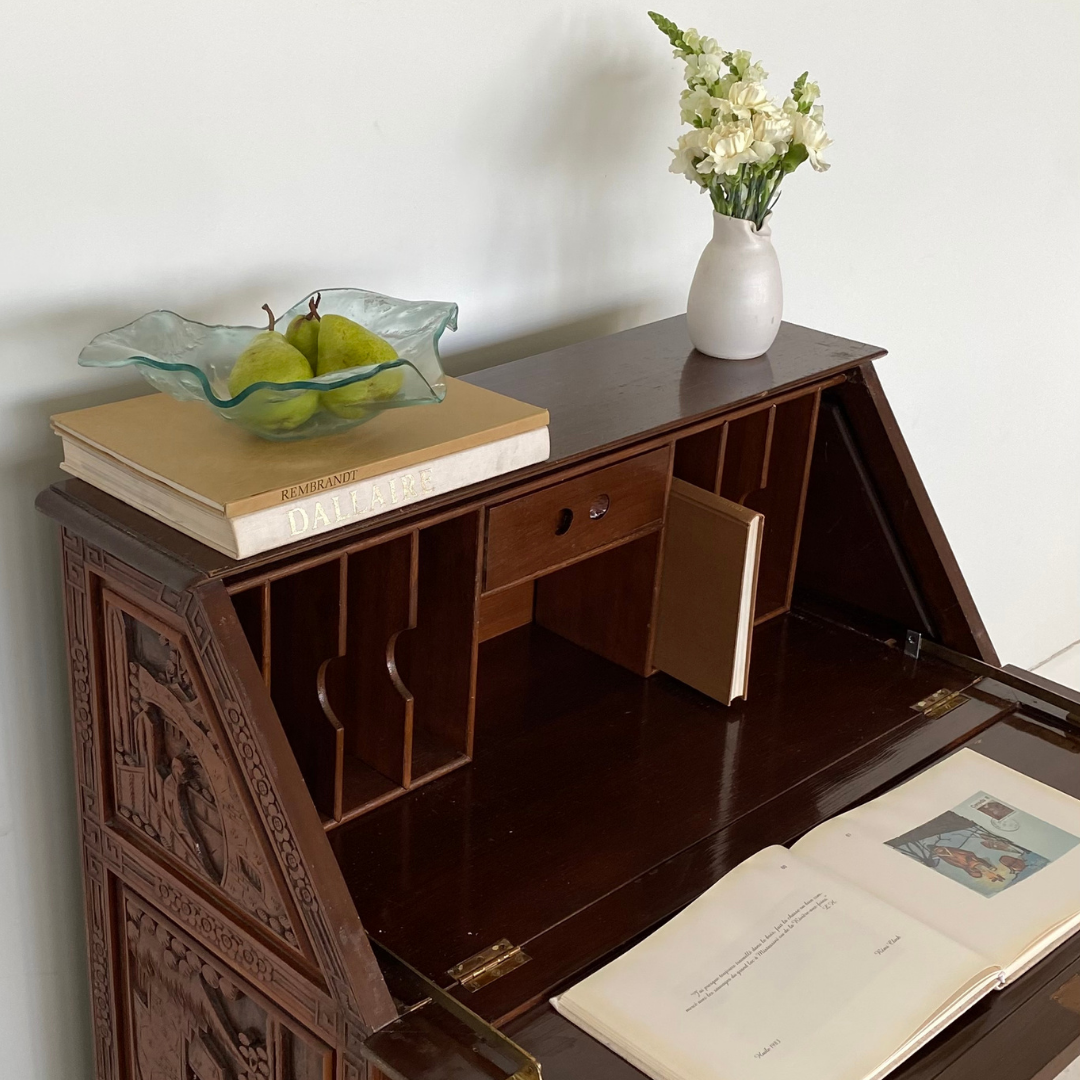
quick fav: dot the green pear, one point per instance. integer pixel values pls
(346, 344)
(270, 358)
(303, 331)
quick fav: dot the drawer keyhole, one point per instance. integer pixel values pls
(601, 505)
(566, 519)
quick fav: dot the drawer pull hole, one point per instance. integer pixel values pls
(601, 505)
(566, 519)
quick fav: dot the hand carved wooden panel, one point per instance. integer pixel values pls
(190, 1020)
(171, 782)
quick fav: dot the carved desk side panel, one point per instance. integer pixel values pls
(196, 837)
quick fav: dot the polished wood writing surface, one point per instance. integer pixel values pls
(1013, 1033)
(607, 391)
(586, 776)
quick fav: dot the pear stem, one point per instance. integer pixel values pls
(266, 308)
(313, 304)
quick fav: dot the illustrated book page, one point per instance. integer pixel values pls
(780, 971)
(986, 855)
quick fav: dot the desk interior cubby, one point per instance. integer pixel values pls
(370, 650)
(369, 653)
(761, 460)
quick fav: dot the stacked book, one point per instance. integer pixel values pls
(178, 462)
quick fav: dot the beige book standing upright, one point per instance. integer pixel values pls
(704, 624)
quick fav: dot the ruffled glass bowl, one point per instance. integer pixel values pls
(192, 362)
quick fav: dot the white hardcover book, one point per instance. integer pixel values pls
(243, 495)
(263, 530)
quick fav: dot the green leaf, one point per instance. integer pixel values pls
(795, 156)
(674, 34)
(800, 82)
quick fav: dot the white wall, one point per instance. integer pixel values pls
(210, 156)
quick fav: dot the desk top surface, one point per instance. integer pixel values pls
(614, 389)
(600, 394)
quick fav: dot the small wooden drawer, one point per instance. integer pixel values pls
(558, 525)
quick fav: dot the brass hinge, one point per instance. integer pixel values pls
(940, 702)
(489, 964)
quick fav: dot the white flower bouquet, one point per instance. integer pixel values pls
(742, 144)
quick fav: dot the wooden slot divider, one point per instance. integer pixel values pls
(801, 508)
(343, 603)
(335, 809)
(721, 456)
(782, 500)
(376, 621)
(251, 615)
(361, 688)
(303, 633)
(437, 658)
(749, 448)
(264, 598)
(474, 650)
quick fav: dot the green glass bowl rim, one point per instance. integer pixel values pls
(322, 383)
(239, 399)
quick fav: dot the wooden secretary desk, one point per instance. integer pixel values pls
(358, 807)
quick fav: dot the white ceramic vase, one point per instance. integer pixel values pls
(736, 299)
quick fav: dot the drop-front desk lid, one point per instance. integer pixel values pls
(765, 790)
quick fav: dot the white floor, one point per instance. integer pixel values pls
(1063, 668)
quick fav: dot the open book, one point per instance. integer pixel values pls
(839, 958)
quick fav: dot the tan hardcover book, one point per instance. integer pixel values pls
(240, 494)
(705, 620)
(840, 957)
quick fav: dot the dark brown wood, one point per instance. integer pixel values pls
(364, 687)
(437, 658)
(781, 498)
(268, 750)
(299, 645)
(608, 774)
(604, 393)
(601, 395)
(181, 816)
(913, 517)
(748, 451)
(850, 554)
(250, 607)
(699, 458)
(607, 604)
(181, 1006)
(566, 522)
(506, 610)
